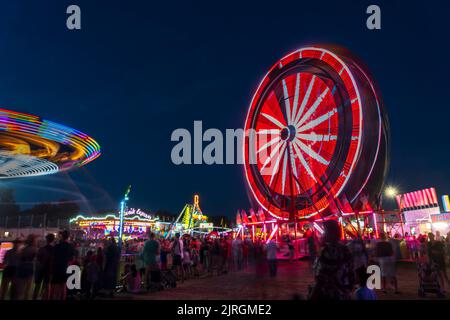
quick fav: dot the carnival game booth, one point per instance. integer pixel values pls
(137, 224)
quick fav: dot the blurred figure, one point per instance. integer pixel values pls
(447, 245)
(187, 262)
(195, 262)
(43, 269)
(99, 258)
(385, 255)
(216, 255)
(63, 252)
(395, 242)
(436, 254)
(11, 262)
(164, 254)
(291, 249)
(177, 256)
(359, 253)
(404, 249)
(312, 250)
(260, 260)
(237, 253)
(413, 247)
(422, 246)
(133, 280)
(334, 276)
(93, 275)
(112, 258)
(149, 256)
(225, 251)
(25, 269)
(84, 263)
(271, 254)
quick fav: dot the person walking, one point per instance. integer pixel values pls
(271, 254)
(150, 253)
(93, 273)
(385, 255)
(217, 256)
(436, 253)
(447, 246)
(177, 256)
(43, 269)
(112, 260)
(99, 258)
(333, 269)
(25, 269)
(359, 254)
(237, 253)
(11, 262)
(312, 249)
(63, 252)
(291, 249)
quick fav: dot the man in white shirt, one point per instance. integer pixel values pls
(177, 256)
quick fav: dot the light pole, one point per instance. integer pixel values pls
(123, 204)
(391, 192)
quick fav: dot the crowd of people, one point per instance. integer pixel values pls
(341, 266)
(40, 272)
(35, 271)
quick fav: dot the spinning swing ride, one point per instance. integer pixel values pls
(317, 138)
(31, 146)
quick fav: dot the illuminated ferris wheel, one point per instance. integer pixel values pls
(315, 132)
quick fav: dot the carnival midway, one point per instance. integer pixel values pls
(326, 136)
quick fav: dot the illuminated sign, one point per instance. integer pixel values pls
(446, 203)
(139, 212)
(206, 225)
(424, 198)
(440, 217)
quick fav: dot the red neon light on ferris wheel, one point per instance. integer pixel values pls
(308, 116)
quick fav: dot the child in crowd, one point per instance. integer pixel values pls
(363, 292)
(133, 280)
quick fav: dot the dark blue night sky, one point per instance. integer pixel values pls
(139, 69)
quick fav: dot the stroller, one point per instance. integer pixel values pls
(168, 279)
(429, 279)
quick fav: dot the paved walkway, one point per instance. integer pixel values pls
(293, 279)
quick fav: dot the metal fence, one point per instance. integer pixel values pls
(33, 221)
